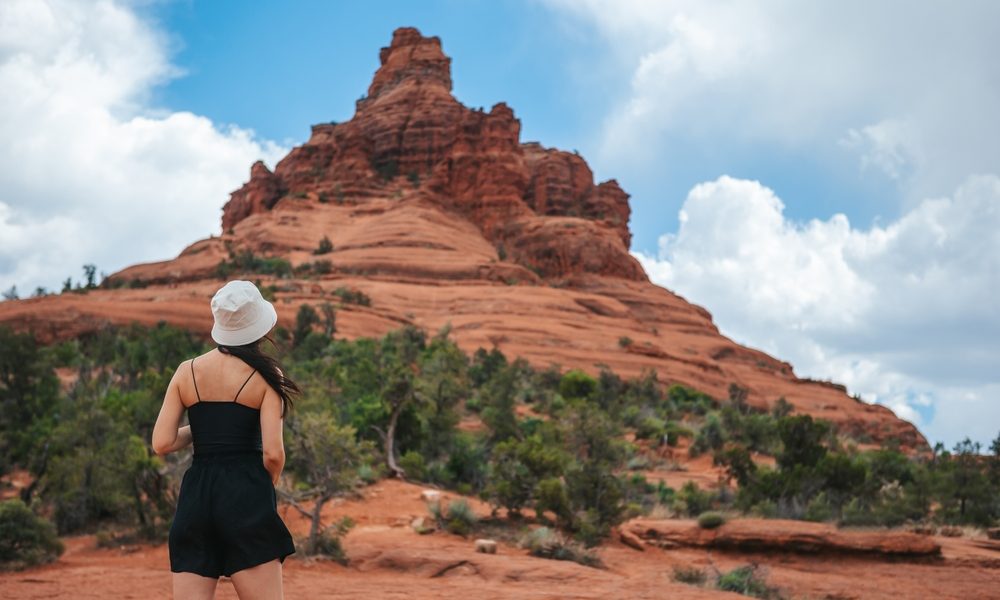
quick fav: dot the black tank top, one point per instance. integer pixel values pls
(219, 427)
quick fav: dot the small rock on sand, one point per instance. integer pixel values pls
(421, 525)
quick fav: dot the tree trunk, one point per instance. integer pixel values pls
(316, 526)
(38, 473)
(390, 443)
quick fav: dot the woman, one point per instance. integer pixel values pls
(236, 397)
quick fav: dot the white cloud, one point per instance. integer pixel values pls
(887, 145)
(905, 85)
(903, 314)
(90, 172)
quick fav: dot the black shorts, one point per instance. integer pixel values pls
(227, 518)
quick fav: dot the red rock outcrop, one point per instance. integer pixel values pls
(257, 195)
(443, 216)
(410, 130)
(776, 535)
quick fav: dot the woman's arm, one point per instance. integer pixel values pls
(183, 440)
(167, 436)
(271, 426)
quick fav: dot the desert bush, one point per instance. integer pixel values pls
(325, 246)
(689, 575)
(550, 496)
(329, 542)
(687, 400)
(517, 467)
(413, 463)
(594, 441)
(246, 261)
(458, 518)
(638, 462)
(650, 428)
(691, 500)
(325, 457)
(546, 543)
(349, 296)
(749, 581)
(25, 538)
(781, 408)
(461, 517)
(711, 436)
(711, 520)
(576, 385)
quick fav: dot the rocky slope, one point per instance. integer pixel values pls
(442, 215)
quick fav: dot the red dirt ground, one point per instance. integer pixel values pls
(389, 560)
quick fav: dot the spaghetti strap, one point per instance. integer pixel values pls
(244, 385)
(195, 381)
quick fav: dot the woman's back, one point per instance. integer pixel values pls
(220, 425)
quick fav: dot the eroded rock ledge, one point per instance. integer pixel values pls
(776, 535)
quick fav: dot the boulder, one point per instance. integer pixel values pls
(631, 540)
(422, 525)
(430, 496)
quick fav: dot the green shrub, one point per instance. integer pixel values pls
(664, 493)
(781, 408)
(329, 542)
(550, 495)
(546, 543)
(516, 467)
(461, 518)
(711, 520)
(625, 341)
(711, 436)
(637, 463)
(322, 267)
(691, 500)
(818, 509)
(576, 384)
(325, 246)
(246, 262)
(387, 169)
(413, 465)
(650, 428)
(458, 519)
(25, 538)
(349, 296)
(747, 580)
(368, 474)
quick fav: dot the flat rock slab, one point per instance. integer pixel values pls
(780, 535)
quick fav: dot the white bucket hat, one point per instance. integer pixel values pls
(241, 314)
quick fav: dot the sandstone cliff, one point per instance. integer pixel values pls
(442, 215)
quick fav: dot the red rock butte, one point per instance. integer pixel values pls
(443, 216)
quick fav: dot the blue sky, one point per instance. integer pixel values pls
(822, 176)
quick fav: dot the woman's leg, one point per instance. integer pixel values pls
(262, 582)
(195, 587)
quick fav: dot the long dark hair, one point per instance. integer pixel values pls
(268, 367)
